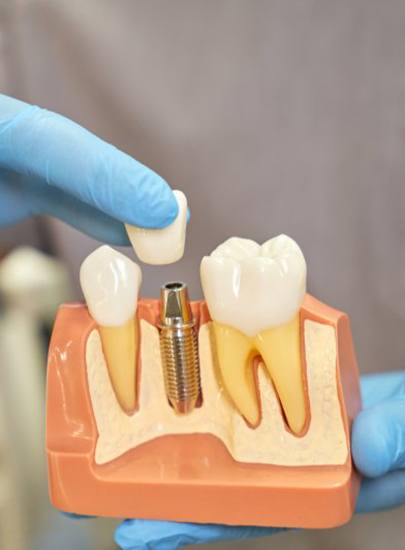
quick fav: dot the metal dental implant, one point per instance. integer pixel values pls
(179, 348)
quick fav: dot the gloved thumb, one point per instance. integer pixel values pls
(378, 438)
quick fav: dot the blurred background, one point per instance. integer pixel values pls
(273, 117)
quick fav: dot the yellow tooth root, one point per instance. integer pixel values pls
(280, 349)
(234, 354)
(120, 347)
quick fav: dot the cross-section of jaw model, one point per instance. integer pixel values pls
(254, 294)
(236, 409)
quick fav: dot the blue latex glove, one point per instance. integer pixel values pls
(50, 165)
(378, 443)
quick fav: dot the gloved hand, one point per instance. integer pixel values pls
(378, 444)
(50, 165)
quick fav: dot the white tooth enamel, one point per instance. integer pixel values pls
(238, 249)
(251, 287)
(161, 246)
(110, 283)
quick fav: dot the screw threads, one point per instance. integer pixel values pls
(179, 348)
(180, 358)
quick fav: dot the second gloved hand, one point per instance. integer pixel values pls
(51, 165)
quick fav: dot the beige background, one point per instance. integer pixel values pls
(272, 116)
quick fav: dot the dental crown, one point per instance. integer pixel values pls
(254, 287)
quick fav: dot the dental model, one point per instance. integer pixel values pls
(245, 422)
(161, 246)
(110, 283)
(254, 294)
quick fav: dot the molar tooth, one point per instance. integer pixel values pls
(280, 350)
(161, 246)
(235, 354)
(110, 283)
(254, 294)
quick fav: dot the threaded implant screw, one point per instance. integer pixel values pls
(179, 348)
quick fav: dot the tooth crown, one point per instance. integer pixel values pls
(110, 282)
(252, 287)
(161, 246)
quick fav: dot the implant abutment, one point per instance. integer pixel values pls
(179, 348)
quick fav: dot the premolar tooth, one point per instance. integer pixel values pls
(120, 347)
(110, 283)
(254, 294)
(161, 246)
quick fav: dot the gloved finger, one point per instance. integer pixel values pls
(138, 534)
(21, 197)
(382, 386)
(80, 215)
(13, 207)
(378, 438)
(89, 220)
(60, 153)
(382, 493)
